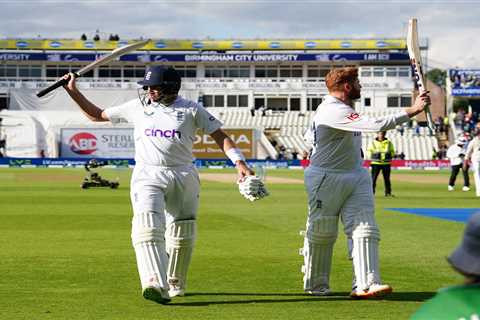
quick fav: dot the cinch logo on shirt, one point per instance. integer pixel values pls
(163, 133)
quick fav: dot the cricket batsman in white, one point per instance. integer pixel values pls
(338, 186)
(165, 184)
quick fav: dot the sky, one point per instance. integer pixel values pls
(451, 27)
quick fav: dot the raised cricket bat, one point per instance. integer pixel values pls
(416, 61)
(99, 62)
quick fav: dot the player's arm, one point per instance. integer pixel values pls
(232, 152)
(92, 112)
(345, 118)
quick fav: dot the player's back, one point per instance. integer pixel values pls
(334, 148)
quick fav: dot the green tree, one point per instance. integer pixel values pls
(437, 76)
(460, 103)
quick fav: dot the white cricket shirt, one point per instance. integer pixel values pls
(164, 136)
(454, 152)
(335, 134)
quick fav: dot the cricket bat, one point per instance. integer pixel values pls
(416, 62)
(99, 62)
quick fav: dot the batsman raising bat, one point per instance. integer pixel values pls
(339, 187)
(165, 184)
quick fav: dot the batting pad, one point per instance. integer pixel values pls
(317, 252)
(148, 240)
(180, 237)
(365, 239)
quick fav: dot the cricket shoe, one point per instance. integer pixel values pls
(465, 188)
(176, 291)
(322, 291)
(157, 294)
(451, 188)
(375, 290)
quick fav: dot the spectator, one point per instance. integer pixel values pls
(402, 156)
(263, 111)
(305, 162)
(401, 129)
(417, 129)
(96, 37)
(252, 111)
(462, 301)
(83, 37)
(442, 153)
(294, 155)
(438, 123)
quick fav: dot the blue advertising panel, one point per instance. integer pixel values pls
(465, 82)
(212, 57)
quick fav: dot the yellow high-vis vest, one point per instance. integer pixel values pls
(381, 152)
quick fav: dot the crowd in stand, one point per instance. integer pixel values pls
(466, 121)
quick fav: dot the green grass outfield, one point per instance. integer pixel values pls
(66, 252)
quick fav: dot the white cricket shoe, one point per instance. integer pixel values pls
(176, 291)
(375, 290)
(451, 188)
(465, 188)
(323, 291)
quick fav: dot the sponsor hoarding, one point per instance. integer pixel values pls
(205, 57)
(206, 148)
(465, 82)
(194, 45)
(97, 142)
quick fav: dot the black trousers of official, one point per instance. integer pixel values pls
(385, 168)
(453, 175)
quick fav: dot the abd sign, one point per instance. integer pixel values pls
(83, 143)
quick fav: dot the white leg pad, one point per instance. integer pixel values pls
(148, 232)
(180, 239)
(365, 238)
(317, 251)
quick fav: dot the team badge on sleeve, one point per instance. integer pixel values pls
(353, 116)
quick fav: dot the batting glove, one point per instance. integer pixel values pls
(252, 188)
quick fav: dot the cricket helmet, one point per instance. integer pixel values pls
(167, 78)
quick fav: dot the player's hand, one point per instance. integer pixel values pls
(422, 101)
(71, 85)
(252, 188)
(243, 170)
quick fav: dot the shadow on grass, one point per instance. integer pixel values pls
(295, 297)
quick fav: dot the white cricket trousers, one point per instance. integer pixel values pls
(159, 196)
(348, 195)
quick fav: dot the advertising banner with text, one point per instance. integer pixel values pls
(206, 148)
(97, 142)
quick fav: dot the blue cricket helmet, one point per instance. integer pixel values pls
(167, 78)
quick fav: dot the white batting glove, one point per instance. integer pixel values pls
(252, 188)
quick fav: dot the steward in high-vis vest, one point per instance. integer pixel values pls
(381, 153)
